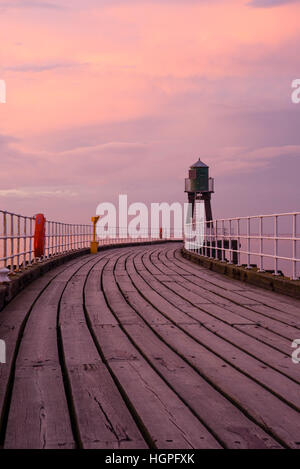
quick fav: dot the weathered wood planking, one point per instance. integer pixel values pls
(248, 313)
(219, 413)
(12, 321)
(218, 319)
(257, 370)
(268, 399)
(44, 422)
(155, 351)
(173, 418)
(102, 417)
(273, 299)
(243, 298)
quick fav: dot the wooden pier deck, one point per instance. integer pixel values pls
(137, 347)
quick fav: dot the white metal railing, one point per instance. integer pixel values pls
(270, 242)
(121, 235)
(17, 239)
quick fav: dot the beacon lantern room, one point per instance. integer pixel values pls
(199, 180)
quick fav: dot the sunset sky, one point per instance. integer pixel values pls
(108, 97)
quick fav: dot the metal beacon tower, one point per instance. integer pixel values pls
(199, 186)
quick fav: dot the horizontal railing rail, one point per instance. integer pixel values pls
(268, 242)
(120, 235)
(17, 239)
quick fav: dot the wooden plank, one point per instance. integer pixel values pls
(39, 418)
(260, 372)
(203, 273)
(189, 385)
(103, 419)
(237, 315)
(218, 413)
(256, 401)
(255, 329)
(274, 296)
(163, 294)
(247, 313)
(38, 380)
(264, 335)
(203, 288)
(254, 302)
(169, 423)
(154, 298)
(253, 346)
(252, 313)
(284, 330)
(240, 314)
(95, 301)
(192, 398)
(259, 333)
(222, 316)
(272, 313)
(279, 304)
(271, 377)
(253, 339)
(12, 318)
(272, 299)
(200, 286)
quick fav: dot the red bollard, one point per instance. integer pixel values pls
(160, 233)
(39, 235)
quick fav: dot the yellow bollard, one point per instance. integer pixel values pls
(94, 243)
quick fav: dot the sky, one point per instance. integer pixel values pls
(109, 97)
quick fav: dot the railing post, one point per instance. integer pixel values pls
(24, 242)
(205, 239)
(248, 243)
(223, 244)
(56, 238)
(11, 242)
(5, 239)
(30, 240)
(294, 262)
(239, 242)
(52, 238)
(230, 243)
(261, 249)
(275, 245)
(47, 240)
(18, 243)
(59, 238)
(216, 239)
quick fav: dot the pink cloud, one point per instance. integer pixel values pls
(123, 96)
